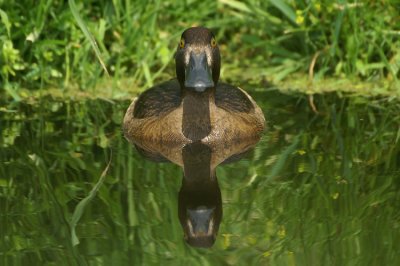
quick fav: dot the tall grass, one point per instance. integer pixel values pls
(42, 46)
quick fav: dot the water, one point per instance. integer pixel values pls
(318, 189)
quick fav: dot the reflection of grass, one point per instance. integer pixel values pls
(42, 45)
(332, 197)
(335, 200)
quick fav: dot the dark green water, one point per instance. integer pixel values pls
(319, 189)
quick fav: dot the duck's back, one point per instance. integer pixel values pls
(233, 99)
(158, 100)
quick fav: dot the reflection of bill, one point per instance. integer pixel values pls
(199, 203)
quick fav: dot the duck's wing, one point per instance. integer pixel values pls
(234, 99)
(151, 118)
(242, 108)
(158, 100)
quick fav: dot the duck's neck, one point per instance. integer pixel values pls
(196, 122)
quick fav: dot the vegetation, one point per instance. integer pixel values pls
(321, 188)
(43, 49)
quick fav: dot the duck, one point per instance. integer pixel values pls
(195, 106)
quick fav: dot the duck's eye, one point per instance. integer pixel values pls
(182, 43)
(213, 42)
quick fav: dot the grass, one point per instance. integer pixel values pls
(43, 47)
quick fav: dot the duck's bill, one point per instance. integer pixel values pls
(198, 73)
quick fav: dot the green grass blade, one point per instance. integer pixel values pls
(6, 22)
(338, 27)
(285, 9)
(87, 34)
(236, 5)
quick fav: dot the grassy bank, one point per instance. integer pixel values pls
(293, 44)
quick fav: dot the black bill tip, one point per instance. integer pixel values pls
(198, 73)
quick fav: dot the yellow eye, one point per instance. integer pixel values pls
(213, 42)
(182, 43)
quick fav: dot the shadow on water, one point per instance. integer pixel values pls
(319, 189)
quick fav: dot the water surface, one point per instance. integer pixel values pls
(319, 189)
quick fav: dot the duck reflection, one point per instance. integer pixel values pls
(199, 204)
(199, 201)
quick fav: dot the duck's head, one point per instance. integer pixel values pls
(197, 59)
